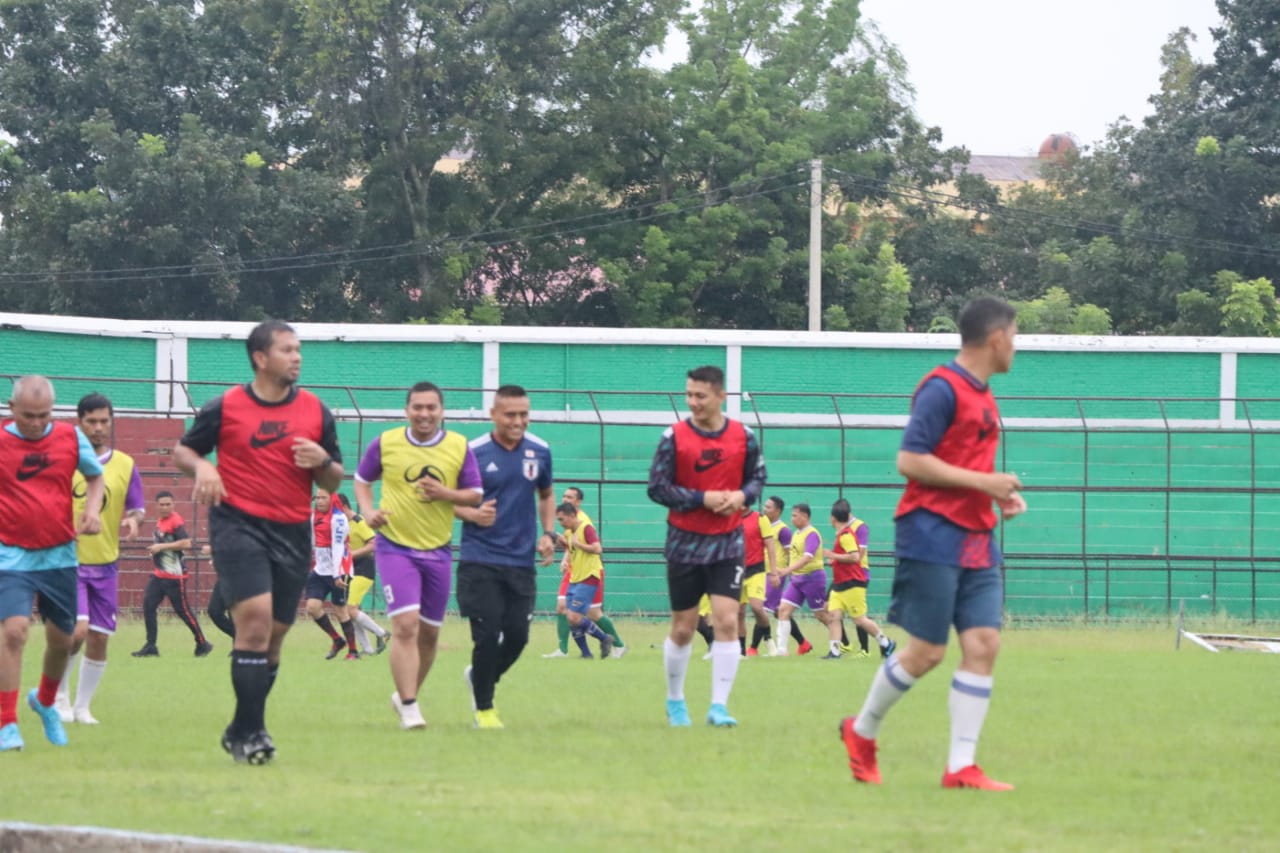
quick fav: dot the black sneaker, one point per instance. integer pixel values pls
(382, 644)
(606, 647)
(337, 648)
(147, 651)
(203, 649)
(256, 749)
(830, 656)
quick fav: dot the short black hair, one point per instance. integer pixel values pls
(803, 508)
(576, 491)
(777, 501)
(342, 500)
(511, 391)
(981, 317)
(709, 374)
(92, 402)
(164, 494)
(841, 511)
(567, 508)
(263, 334)
(419, 387)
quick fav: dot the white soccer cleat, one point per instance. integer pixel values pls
(556, 654)
(410, 715)
(707, 656)
(63, 706)
(619, 651)
(84, 718)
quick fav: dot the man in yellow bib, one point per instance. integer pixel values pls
(808, 577)
(99, 555)
(425, 470)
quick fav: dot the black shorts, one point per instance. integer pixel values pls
(365, 567)
(257, 556)
(753, 570)
(687, 583)
(322, 586)
(494, 594)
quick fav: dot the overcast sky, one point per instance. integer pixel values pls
(998, 76)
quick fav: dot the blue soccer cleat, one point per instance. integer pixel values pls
(11, 738)
(678, 713)
(52, 720)
(718, 716)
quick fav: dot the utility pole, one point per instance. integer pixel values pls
(815, 245)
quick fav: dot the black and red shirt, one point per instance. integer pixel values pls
(254, 440)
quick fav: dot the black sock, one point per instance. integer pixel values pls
(272, 672)
(251, 680)
(349, 633)
(327, 627)
(705, 630)
(742, 645)
(863, 636)
(796, 633)
(757, 634)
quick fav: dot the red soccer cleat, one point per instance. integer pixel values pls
(805, 648)
(972, 777)
(751, 653)
(862, 753)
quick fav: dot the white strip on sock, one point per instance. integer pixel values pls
(882, 696)
(90, 675)
(362, 638)
(676, 660)
(64, 686)
(724, 669)
(970, 697)
(784, 635)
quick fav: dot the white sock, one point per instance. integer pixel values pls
(834, 646)
(890, 684)
(364, 620)
(970, 697)
(783, 635)
(724, 669)
(64, 686)
(882, 640)
(676, 660)
(90, 674)
(362, 638)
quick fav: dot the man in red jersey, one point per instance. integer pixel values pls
(757, 538)
(38, 564)
(274, 442)
(949, 564)
(706, 470)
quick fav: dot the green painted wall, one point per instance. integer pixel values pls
(52, 354)
(605, 368)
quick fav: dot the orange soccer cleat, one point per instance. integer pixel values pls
(973, 777)
(862, 753)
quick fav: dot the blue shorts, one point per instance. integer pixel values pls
(52, 591)
(580, 597)
(928, 598)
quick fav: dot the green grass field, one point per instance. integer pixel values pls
(1114, 740)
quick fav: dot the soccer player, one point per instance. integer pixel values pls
(586, 573)
(850, 574)
(99, 557)
(426, 470)
(330, 574)
(573, 495)
(807, 579)
(775, 582)
(38, 528)
(500, 544)
(757, 539)
(364, 573)
(169, 578)
(707, 469)
(275, 441)
(948, 570)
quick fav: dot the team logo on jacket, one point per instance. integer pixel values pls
(711, 457)
(413, 475)
(531, 469)
(268, 433)
(32, 465)
(80, 491)
(988, 424)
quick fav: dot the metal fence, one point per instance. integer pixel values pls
(1136, 503)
